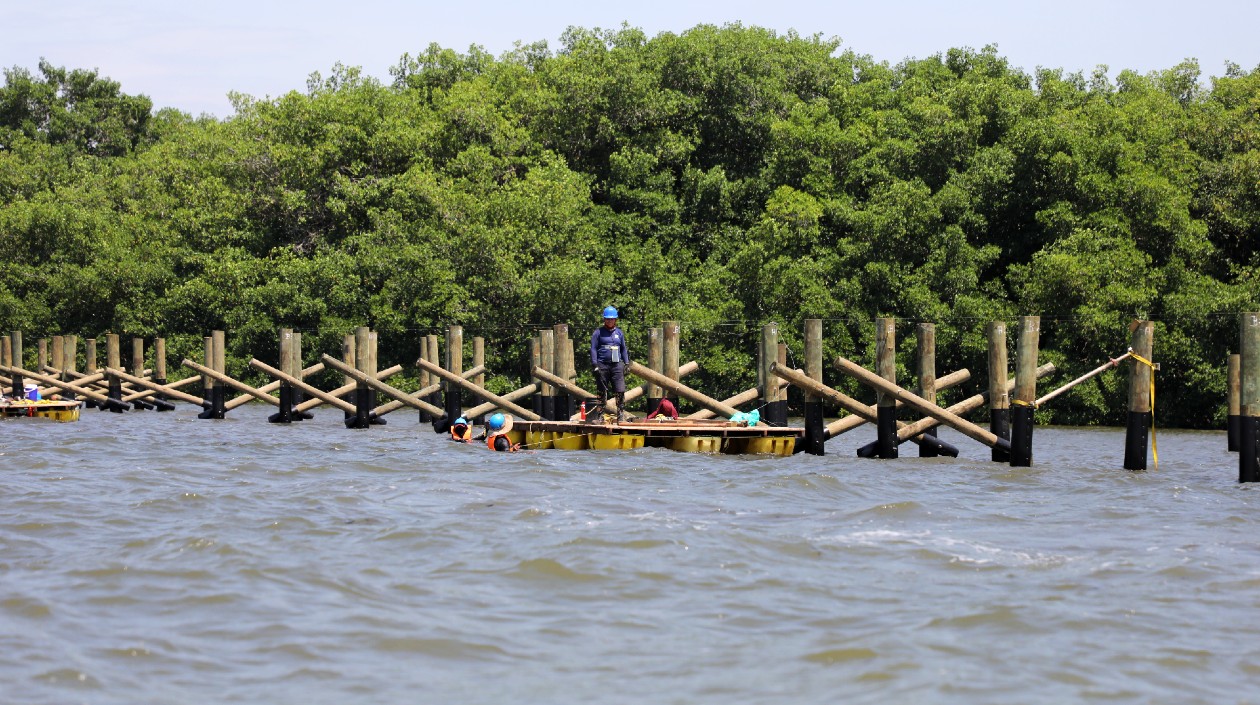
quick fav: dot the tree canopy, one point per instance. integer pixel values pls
(723, 177)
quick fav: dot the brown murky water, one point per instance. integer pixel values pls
(157, 558)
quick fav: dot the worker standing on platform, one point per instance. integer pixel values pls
(609, 357)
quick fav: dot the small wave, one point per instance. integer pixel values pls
(548, 570)
(842, 655)
(440, 648)
(953, 551)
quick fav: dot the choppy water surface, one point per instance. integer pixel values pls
(158, 558)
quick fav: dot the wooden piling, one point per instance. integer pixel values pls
(348, 356)
(41, 356)
(19, 383)
(58, 355)
(299, 396)
(547, 351)
(425, 416)
(159, 361)
(886, 368)
(70, 363)
(773, 406)
(113, 360)
(671, 355)
(655, 360)
(1025, 400)
(137, 369)
(435, 357)
(1141, 342)
(58, 358)
(361, 399)
(535, 360)
(926, 335)
(999, 399)
(89, 366)
(207, 384)
(455, 365)
(1232, 368)
(1249, 396)
(285, 413)
(815, 426)
(478, 360)
(564, 403)
(218, 341)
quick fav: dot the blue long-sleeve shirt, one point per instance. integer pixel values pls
(602, 339)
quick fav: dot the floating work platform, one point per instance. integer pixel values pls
(688, 435)
(44, 408)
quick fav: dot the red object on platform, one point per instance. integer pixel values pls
(666, 408)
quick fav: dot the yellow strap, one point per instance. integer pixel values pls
(1021, 402)
(1154, 444)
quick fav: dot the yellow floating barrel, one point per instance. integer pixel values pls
(616, 441)
(760, 445)
(536, 440)
(570, 441)
(696, 444)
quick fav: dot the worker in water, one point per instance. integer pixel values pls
(461, 431)
(497, 427)
(609, 357)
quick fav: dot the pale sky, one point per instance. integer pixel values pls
(189, 56)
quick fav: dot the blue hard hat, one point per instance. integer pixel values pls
(495, 422)
(610, 312)
(461, 421)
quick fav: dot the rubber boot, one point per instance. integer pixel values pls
(621, 407)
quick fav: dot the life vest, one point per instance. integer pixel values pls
(490, 441)
(464, 436)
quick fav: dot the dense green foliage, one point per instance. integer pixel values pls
(723, 177)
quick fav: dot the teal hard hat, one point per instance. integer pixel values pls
(610, 312)
(495, 422)
(461, 421)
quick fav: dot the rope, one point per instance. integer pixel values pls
(1154, 367)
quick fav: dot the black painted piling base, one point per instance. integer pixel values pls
(115, 403)
(215, 410)
(373, 419)
(454, 406)
(285, 414)
(1136, 435)
(815, 430)
(565, 407)
(361, 417)
(652, 403)
(159, 402)
(1248, 470)
(886, 438)
(1232, 432)
(929, 450)
(1021, 436)
(1000, 426)
(775, 413)
(298, 397)
(548, 409)
(140, 405)
(939, 447)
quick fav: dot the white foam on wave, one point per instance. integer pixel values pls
(956, 550)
